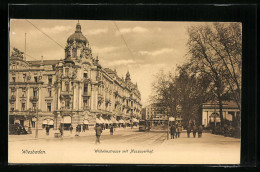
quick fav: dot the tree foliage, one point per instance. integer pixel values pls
(213, 71)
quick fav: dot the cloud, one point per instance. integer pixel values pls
(121, 62)
(157, 52)
(57, 29)
(97, 31)
(136, 29)
(98, 50)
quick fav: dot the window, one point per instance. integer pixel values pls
(35, 79)
(85, 88)
(85, 75)
(13, 79)
(67, 86)
(12, 109)
(50, 80)
(67, 104)
(23, 92)
(49, 90)
(49, 107)
(78, 52)
(35, 93)
(74, 53)
(67, 71)
(85, 102)
(23, 106)
(24, 77)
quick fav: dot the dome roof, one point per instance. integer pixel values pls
(77, 36)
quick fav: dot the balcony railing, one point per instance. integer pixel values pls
(64, 93)
(34, 99)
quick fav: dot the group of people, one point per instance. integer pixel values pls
(17, 129)
(176, 129)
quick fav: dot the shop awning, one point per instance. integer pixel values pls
(98, 121)
(102, 120)
(45, 122)
(50, 122)
(85, 121)
(121, 121)
(110, 122)
(66, 120)
(114, 120)
(135, 120)
(171, 119)
(34, 119)
(17, 121)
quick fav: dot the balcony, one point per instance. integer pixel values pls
(34, 99)
(66, 93)
(116, 93)
(117, 102)
(12, 98)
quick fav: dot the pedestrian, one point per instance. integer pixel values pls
(78, 128)
(98, 130)
(61, 131)
(71, 128)
(200, 129)
(194, 129)
(172, 130)
(111, 130)
(47, 130)
(188, 131)
(84, 127)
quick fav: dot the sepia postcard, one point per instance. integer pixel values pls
(124, 92)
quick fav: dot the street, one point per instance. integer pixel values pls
(125, 146)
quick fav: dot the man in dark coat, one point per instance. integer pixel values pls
(172, 130)
(200, 129)
(84, 127)
(194, 129)
(188, 131)
(47, 130)
(111, 130)
(71, 128)
(98, 130)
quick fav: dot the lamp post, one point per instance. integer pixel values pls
(37, 122)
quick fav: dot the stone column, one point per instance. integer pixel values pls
(80, 96)
(28, 98)
(58, 96)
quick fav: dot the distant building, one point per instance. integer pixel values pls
(143, 113)
(71, 91)
(157, 115)
(210, 112)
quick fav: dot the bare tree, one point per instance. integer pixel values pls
(215, 51)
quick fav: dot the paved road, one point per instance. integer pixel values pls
(210, 149)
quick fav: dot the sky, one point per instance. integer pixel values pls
(152, 46)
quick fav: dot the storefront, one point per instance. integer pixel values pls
(66, 122)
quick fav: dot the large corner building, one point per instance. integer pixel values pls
(74, 90)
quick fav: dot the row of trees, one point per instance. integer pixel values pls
(213, 72)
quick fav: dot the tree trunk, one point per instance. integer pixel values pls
(220, 110)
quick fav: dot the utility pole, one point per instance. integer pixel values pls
(37, 118)
(25, 47)
(168, 127)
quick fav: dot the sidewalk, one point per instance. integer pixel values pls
(66, 134)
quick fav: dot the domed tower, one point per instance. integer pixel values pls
(77, 45)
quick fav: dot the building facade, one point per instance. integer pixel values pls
(155, 113)
(211, 113)
(71, 91)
